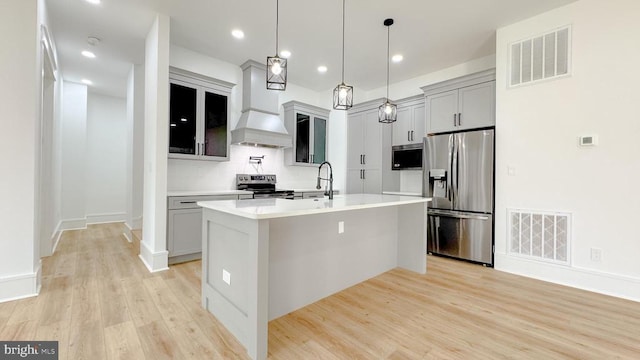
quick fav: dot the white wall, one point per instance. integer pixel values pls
(135, 148)
(73, 139)
(156, 122)
(106, 144)
(537, 134)
(199, 175)
(19, 115)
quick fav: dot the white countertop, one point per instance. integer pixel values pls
(401, 193)
(277, 208)
(207, 192)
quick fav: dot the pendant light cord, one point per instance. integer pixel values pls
(388, 42)
(343, 7)
(277, 21)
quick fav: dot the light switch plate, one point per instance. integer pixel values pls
(340, 227)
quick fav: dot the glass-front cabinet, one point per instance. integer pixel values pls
(308, 126)
(198, 116)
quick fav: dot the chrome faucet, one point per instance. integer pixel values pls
(330, 180)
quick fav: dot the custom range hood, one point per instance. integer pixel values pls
(260, 123)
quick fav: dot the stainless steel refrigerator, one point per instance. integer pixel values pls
(459, 176)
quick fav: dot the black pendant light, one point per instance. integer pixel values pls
(343, 94)
(388, 112)
(276, 66)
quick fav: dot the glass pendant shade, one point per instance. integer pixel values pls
(276, 73)
(343, 97)
(387, 112)
(343, 93)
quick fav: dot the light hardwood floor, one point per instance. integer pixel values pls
(100, 302)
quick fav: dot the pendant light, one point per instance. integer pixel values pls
(276, 66)
(343, 94)
(388, 112)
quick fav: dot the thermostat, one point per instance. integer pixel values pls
(588, 140)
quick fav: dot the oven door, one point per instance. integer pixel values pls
(274, 195)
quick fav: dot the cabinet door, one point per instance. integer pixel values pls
(372, 141)
(477, 106)
(419, 122)
(215, 141)
(185, 232)
(372, 181)
(355, 140)
(303, 134)
(441, 109)
(354, 181)
(182, 119)
(319, 154)
(403, 126)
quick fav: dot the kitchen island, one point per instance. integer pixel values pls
(264, 258)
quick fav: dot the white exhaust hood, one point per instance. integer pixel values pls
(260, 122)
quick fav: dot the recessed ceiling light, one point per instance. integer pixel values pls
(285, 54)
(95, 2)
(173, 125)
(183, 120)
(88, 54)
(322, 69)
(397, 58)
(87, 82)
(237, 33)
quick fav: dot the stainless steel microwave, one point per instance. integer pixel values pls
(406, 157)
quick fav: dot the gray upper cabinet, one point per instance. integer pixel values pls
(410, 126)
(308, 126)
(462, 103)
(198, 116)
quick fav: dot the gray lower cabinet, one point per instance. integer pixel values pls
(184, 226)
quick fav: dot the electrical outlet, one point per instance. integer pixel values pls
(596, 255)
(340, 227)
(226, 276)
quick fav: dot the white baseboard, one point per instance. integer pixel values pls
(127, 235)
(20, 286)
(621, 286)
(55, 239)
(73, 224)
(158, 261)
(106, 218)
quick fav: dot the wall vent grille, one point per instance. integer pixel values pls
(542, 57)
(540, 235)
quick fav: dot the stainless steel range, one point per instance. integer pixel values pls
(263, 186)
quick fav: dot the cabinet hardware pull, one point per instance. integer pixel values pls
(364, 174)
(197, 148)
(455, 119)
(187, 202)
(412, 135)
(364, 159)
(459, 119)
(408, 135)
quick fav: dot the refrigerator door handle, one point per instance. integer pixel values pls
(454, 172)
(457, 215)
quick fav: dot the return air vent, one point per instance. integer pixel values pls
(539, 235)
(540, 58)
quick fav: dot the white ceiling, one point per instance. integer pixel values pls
(431, 34)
